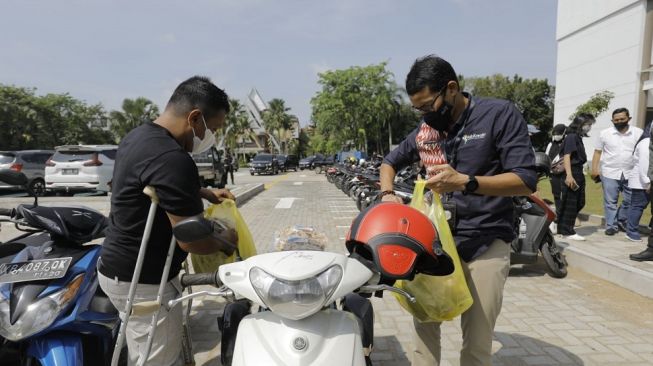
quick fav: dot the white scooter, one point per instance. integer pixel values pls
(301, 290)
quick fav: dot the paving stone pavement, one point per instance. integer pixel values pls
(579, 320)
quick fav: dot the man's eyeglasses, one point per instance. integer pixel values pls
(428, 106)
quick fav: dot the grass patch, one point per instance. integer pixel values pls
(593, 198)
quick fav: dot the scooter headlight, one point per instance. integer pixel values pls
(39, 315)
(295, 299)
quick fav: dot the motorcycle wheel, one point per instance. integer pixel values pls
(338, 183)
(359, 202)
(352, 191)
(554, 259)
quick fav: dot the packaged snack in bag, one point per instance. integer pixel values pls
(299, 238)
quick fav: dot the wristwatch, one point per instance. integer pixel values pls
(471, 186)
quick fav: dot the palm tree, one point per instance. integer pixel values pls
(238, 120)
(134, 113)
(276, 119)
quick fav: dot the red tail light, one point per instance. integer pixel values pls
(16, 167)
(50, 162)
(95, 161)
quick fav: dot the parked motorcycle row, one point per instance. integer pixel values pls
(533, 216)
(360, 181)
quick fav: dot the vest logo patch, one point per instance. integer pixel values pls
(474, 136)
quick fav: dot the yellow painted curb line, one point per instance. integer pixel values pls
(277, 180)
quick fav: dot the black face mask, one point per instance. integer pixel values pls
(622, 126)
(441, 119)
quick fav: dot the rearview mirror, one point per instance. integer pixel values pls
(193, 229)
(12, 177)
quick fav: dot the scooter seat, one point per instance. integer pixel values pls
(10, 249)
(101, 303)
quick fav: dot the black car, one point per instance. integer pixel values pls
(307, 162)
(287, 162)
(264, 163)
(321, 164)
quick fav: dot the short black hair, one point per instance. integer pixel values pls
(431, 71)
(559, 129)
(579, 121)
(621, 110)
(199, 92)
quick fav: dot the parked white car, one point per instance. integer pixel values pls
(77, 168)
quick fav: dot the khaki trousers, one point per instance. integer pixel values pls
(486, 276)
(166, 344)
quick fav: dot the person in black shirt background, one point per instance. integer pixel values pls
(553, 151)
(157, 154)
(477, 154)
(572, 197)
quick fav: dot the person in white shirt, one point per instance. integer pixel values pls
(614, 151)
(640, 185)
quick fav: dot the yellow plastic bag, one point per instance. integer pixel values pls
(439, 298)
(228, 212)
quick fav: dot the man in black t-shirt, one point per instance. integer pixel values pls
(157, 154)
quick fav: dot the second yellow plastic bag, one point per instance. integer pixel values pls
(439, 298)
(228, 212)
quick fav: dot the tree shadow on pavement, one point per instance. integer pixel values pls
(521, 350)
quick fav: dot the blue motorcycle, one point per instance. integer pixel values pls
(52, 311)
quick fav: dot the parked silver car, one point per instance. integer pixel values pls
(29, 162)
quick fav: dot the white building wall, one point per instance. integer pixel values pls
(599, 48)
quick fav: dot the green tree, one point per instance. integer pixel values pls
(276, 119)
(134, 113)
(302, 146)
(237, 123)
(353, 100)
(28, 121)
(597, 104)
(18, 118)
(533, 97)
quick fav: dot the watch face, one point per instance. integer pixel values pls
(472, 185)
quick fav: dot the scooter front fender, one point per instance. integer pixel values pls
(330, 337)
(57, 349)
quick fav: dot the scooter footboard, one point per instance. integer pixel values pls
(58, 349)
(330, 337)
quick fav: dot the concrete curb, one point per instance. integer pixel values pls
(243, 197)
(628, 277)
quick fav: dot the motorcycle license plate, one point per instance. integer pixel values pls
(70, 172)
(35, 270)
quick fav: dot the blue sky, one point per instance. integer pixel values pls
(104, 51)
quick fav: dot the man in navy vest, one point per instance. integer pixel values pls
(477, 154)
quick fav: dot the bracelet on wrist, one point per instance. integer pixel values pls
(387, 193)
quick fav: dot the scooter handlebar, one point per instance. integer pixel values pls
(7, 212)
(197, 279)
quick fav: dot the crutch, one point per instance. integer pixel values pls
(186, 339)
(150, 192)
(154, 307)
